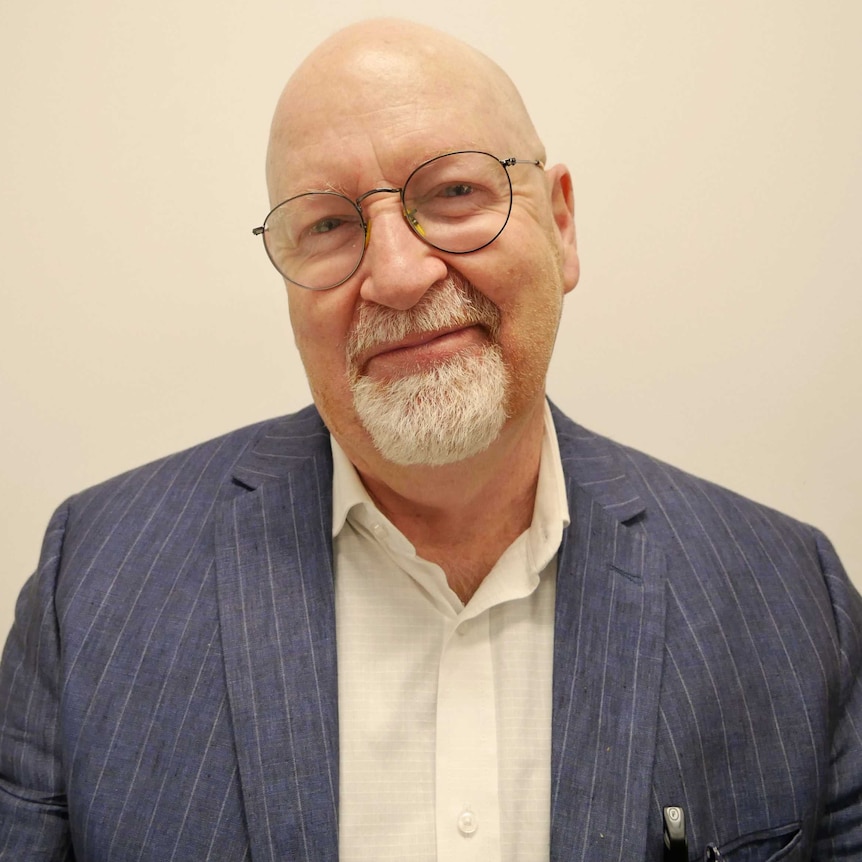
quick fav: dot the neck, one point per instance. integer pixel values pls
(463, 516)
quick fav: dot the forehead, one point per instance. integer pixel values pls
(352, 164)
(370, 121)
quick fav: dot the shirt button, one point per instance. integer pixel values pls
(378, 529)
(467, 823)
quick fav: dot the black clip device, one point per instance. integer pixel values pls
(675, 842)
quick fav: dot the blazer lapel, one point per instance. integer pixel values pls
(609, 645)
(277, 614)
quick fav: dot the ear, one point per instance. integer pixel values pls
(563, 209)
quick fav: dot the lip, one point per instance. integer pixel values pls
(420, 346)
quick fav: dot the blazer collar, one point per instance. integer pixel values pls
(593, 464)
(589, 459)
(280, 446)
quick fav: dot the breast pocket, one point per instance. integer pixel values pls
(768, 845)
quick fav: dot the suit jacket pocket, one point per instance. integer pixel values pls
(776, 844)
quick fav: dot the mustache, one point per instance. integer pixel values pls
(449, 303)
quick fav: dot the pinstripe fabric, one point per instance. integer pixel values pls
(169, 688)
(708, 656)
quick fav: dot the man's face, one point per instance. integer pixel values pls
(346, 135)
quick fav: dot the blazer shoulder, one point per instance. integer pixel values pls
(706, 531)
(661, 486)
(209, 468)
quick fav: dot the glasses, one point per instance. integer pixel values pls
(457, 203)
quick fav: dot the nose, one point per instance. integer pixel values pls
(398, 267)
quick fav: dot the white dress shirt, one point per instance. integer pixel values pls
(444, 708)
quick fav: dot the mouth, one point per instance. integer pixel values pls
(420, 350)
(451, 318)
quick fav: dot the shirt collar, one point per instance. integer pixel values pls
(550, 514)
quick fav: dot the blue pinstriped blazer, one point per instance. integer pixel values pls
(168, 691)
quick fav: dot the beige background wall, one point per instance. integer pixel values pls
(716, 153)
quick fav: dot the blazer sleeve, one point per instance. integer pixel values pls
(34, 822)
(840, 831)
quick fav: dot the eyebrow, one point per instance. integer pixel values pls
(311, 190)
(430, 155)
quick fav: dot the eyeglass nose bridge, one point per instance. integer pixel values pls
(381, 191)
(408, 216)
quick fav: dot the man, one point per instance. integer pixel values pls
(542, 639)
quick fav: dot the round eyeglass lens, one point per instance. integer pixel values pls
(459, 202)
(315, 240)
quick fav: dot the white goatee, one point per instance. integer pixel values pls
(439, 415)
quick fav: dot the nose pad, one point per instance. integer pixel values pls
(411, 217)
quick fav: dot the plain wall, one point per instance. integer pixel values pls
(715, 148)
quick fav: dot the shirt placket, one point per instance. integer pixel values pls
(467, 787)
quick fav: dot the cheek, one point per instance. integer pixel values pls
(531, 305)
(320, 322)
(528, 289)
(321, 348)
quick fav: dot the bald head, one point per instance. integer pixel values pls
(404, 79)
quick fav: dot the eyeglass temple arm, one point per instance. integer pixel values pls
(507, 163)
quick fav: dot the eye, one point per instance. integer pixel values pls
(325, 225)
(457, 190)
